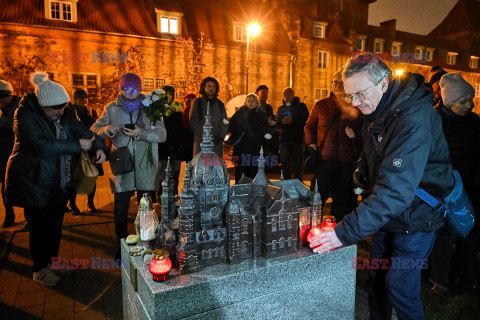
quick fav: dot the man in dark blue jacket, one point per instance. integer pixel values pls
(404, 147)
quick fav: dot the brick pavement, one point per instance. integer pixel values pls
(89, 293)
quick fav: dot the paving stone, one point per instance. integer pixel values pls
(112, 305)
(57, 301)
(9, 284)
(8, 297)
(30, 286)
(59, 314)
(34, 312)
(115, 316)
(30, 299)
(65, 287)
(96, 314)
(86, 303)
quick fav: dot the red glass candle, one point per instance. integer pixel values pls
(160, 265)
(313, 232)
(328, 223)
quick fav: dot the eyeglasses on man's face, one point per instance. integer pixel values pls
(130, 90)
(360, 96)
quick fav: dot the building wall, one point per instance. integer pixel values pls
(162, 58)
(308, 76)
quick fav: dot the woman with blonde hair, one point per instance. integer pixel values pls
(249, 128)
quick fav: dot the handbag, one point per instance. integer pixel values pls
(85, 174)
(121, 160)
(456, 208)
(315, 156)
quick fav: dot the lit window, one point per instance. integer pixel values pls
(322, 59)
(169, 22)
(169, 25)
(473, 62)
(320, 94)
(360, 44)
(61, 10)
(378, 46)
(477, 90)
(396, 49)
(164, 24)
(428, 54)
(419, 53)
(319, 29)
(77, 80)
(159, 83)
(91, 80)
(452, 58)
(239, 32)
(81, 80)
(148, 84)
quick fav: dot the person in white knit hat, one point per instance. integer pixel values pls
(38, 171)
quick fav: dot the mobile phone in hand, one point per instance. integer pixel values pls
(130, 126)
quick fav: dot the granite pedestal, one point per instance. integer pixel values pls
(296, 286)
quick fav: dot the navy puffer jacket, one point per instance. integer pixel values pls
(404, 147)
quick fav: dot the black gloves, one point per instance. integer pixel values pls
(360, 179)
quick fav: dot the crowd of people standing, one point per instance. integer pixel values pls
(383, 134)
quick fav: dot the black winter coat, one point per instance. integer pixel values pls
(463, 139)
(6, 135)
(173, 147)
(294, 131)
(33, 169)
(404, 147)
(254, 124)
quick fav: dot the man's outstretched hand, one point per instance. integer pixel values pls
(325, 241)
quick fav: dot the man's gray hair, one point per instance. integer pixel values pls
(374, 67)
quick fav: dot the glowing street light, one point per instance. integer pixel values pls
(253, 30)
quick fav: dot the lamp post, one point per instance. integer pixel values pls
(253, 30)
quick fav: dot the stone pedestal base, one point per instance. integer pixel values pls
(296, 286)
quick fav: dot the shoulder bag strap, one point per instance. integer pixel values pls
(330, 125)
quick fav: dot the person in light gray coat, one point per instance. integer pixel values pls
(142, 144)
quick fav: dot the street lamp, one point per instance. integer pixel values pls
(253, 30)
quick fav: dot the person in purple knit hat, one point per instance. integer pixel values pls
(125, 122)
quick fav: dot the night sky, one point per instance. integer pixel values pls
(414, 16)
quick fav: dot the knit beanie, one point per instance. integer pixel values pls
(6, 88)
(130, 80)
(49, 93)
(453, 87)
